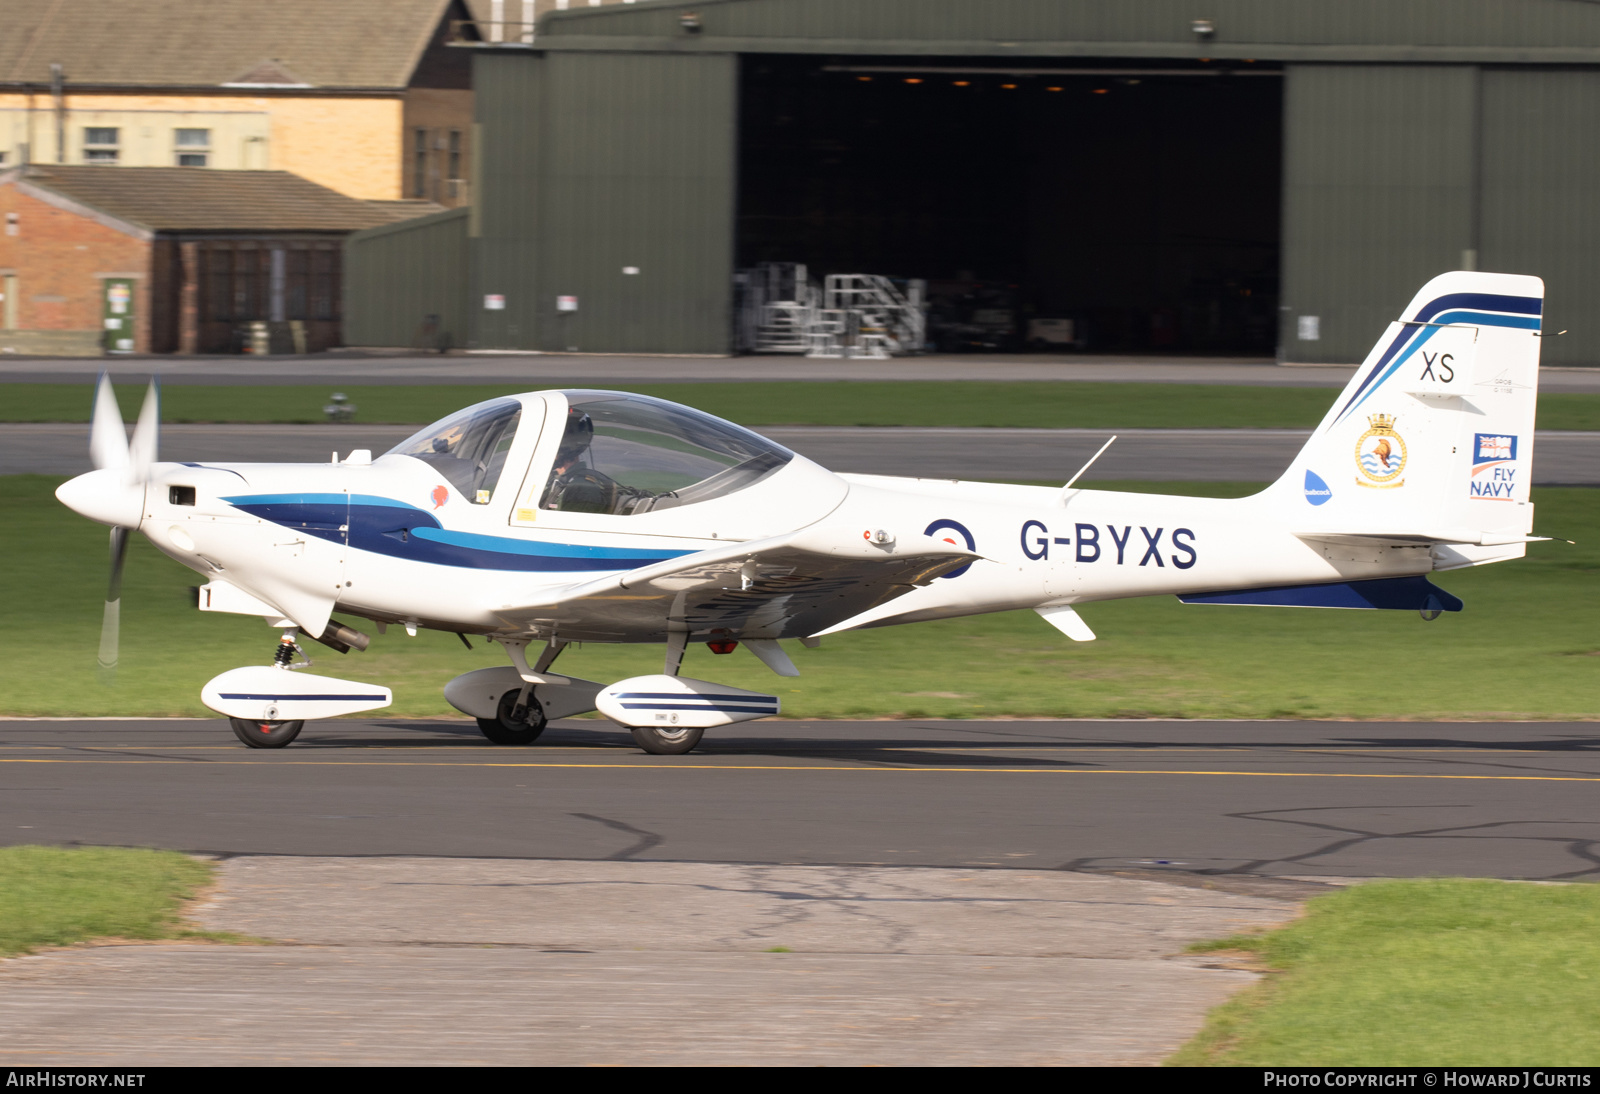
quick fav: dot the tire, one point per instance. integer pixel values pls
(666, 742)
(501, 730)
(258, 734)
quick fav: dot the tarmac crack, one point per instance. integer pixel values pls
(647, 840)
(1355, 837)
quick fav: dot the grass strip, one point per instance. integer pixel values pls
(1524, 648)
(1044, 405)
(56, 896)
(1424, 973)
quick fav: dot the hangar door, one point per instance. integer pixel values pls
(1140, 201)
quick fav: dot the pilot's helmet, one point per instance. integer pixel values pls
(575, 441)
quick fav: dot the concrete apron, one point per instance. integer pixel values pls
(480, 961)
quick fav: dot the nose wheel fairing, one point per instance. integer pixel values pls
(274, 694)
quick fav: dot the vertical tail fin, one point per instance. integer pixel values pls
(1433, 436)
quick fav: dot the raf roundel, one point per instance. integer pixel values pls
(941, 529)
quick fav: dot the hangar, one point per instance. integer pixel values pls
(1237, 176)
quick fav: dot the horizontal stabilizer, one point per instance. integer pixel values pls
(1392, 593)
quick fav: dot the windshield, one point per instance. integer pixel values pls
(469, 450)
(628, 454)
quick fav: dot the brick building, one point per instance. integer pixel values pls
(364, 96)
(172, 260)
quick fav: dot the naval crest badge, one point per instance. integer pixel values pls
(1381, 454)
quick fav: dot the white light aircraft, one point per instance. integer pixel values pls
(542, 519)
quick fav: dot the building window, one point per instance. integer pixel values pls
(100, 144)
(419, 168)
(194, 147)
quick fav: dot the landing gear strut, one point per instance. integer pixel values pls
(270, 734)
(519, 717)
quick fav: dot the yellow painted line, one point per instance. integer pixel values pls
(597, 747)
(839, 769)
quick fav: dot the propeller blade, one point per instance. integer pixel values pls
(108, 439)
(111, 622)
(146, 434)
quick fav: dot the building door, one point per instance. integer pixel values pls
(117, 302)
(8, 305)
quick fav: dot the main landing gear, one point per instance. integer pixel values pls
(667, 715)
(519, 717)
(666, 742)
(517, 721)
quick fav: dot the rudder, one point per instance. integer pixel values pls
(1433, 436)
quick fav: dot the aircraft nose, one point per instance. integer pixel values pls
(105, 496)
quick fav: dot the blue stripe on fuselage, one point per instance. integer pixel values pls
(385, 526)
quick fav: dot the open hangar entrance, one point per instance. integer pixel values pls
(1139, 201)
(634, 158)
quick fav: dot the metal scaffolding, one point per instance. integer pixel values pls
(851, 316)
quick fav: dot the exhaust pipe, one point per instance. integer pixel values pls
(339, 637)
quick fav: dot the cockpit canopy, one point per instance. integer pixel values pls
(630, 454)
(619, 453)
(469, 449)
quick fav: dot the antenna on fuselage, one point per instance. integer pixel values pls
(1085, 467)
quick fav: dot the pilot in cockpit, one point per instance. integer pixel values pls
(576, 487)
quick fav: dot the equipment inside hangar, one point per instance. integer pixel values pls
(1137, 202)
(1088, 174)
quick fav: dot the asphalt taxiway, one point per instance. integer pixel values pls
(1183, 798)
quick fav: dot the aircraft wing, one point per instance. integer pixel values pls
(789, 586)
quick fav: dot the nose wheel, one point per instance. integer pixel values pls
(506, 729)
(259, 734)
